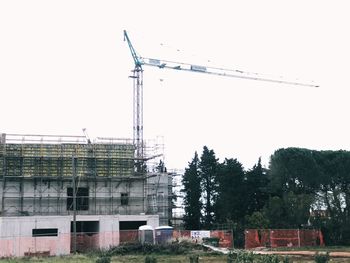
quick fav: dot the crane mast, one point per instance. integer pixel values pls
(180, 66)
(138, 111)
(137, 103)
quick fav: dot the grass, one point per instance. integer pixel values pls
(203, 258)
(171, 253)
(58, 259)
(120, 259)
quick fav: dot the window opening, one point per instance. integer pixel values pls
(81, 200)
(45, 232)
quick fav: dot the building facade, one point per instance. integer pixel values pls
(47, 181)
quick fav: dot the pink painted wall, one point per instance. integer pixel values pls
(109, 239)
(22, 246)
(16, 234)
(6, 247)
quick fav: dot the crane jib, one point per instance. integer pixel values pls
(180, 66)
(198, 68)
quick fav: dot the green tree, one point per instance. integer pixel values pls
(334, 194)
(257, 220)
(293, 175)
(256, 188)
(303, 179)
(208, 173)
(294, 169)
(276, 213)
(231, 196)
(192, 195)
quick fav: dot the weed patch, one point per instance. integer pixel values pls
(321, 258)
(249, 257)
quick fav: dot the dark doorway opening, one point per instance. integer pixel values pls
(87, 235)
(86, 227)
(129, 231)
(131, 225)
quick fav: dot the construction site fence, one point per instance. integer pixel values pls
(55, 244)
(283, 238)
(220, 238)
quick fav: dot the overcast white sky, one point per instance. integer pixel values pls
(64, 66)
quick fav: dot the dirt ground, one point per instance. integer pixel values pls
(308, 255)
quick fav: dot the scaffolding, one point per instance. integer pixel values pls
(54, 159)
(36, 174)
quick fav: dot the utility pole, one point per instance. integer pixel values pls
(74, 159)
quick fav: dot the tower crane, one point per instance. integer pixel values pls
(180, 66)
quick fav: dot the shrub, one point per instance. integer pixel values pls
(150, 259)
(194, 259)
(238, 256)
(321, 258)
(270, 259)
(125, 249)
(104, 259)
(231, 258)
(174, 248)
(100, 253)
(248, 257)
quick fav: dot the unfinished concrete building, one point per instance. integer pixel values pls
(38, 175)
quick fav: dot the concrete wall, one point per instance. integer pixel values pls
(159, 194)
(16, 237)
(109, 227)
(1, 194)
(35, 196)
(49, 197)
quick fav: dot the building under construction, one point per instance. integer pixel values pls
(47, 183)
